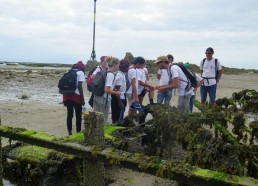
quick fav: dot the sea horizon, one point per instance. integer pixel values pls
(85, 62)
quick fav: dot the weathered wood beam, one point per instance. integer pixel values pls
(152, 165)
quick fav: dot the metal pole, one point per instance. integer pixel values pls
(93, 54)
(1, 163)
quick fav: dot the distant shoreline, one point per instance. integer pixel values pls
(152, 68)
(32, 64)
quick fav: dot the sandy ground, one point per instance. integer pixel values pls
(44, 112)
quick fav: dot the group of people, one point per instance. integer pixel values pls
(127, 83)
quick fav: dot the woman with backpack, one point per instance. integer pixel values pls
(101, 103)
(102, 66)
(118, 103)
(75, 100)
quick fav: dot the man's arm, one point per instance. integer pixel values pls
(110, 91)
(146, 85)
(173, 85)
(158, 76)
(134, 91)
(219, 75)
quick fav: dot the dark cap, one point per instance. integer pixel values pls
(138, 60)
(124, 64)
(210, 50)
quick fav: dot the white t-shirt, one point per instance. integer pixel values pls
(208, 69)
(80, 77)
(109, 83)
(164, 77)
(141, 76)
(131, 75)
(120, 81)
(177, 72)
(97, 70)
(146, 73)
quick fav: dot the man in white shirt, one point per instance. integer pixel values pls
(163, 77)
(209, 67)
(132, 92)
(178, 80)
(144, 86)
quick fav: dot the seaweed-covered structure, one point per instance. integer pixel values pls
(222, 138)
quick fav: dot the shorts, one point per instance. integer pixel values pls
(142, 94)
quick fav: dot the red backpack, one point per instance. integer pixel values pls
(89, 79)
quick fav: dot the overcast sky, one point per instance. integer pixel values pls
(61, 31)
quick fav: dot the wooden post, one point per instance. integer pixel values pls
(93, 169)
(1, 165)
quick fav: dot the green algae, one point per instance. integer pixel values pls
(205, 173)
(38, 155)
(29, 132)
(39, 135)
(224, 178)
(6, 128)
(108, 130)
(79, 137)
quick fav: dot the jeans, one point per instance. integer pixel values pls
(164, 96)
(211, 90)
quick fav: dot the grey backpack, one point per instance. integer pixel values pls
(98, 83)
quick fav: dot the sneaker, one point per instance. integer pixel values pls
(69, 132)
(151, 108)
(137, 107)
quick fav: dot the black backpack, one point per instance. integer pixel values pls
(98, 83)
(216, 69)
(68, 82)
(191, 77)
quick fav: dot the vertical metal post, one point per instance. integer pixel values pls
(1, 163)
(93, 53)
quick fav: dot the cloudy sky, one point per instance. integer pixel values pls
(61, 31)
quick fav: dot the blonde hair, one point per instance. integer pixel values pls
(111, 61)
